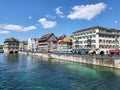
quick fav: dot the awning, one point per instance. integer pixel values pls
(91, 51)
(114, 50)
(80, 50)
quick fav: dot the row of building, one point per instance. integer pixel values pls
(47, 43)
(98, 40)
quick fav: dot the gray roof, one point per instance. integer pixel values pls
(24, 42)
(95, 27)
(12, 39)
(45, 37)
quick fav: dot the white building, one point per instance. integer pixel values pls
(98, 39)
(32, 44)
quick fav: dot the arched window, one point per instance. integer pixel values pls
(110, 41)
(100, 46)
(110, 46)
(107, 46)
(107, 41)
(113, 46)
(103, 41)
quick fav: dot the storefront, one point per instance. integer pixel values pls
(114, 52)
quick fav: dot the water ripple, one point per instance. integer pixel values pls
(20, 72)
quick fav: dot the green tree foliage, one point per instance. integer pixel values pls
(1, 46)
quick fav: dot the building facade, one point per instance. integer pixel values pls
(23, 46)
(47, 43)
(11, 45)
(65, 45)
(32, 44)
(98, 39)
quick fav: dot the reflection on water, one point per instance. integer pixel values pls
(83, 71)
(22, 72)
(11, 57)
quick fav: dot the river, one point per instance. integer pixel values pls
(25, 72)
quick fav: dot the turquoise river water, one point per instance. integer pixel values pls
(22, 72)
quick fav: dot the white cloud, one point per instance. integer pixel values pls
(47, 24)
(4, 32)
(86, 11)
(62, 16)
(59, 12)
(29, 28)
(12, 27)
(17, 27)
(50, 16)
(30, 17)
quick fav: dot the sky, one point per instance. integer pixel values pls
(24, 19)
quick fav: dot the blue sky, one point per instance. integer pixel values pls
(24, 19)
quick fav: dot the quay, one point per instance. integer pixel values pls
(107, 61)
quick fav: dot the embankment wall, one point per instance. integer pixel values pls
(95, 60)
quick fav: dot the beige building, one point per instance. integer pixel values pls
(97, 39)
(65, 45)
(47, 43)
(23, 46)
(11, 45)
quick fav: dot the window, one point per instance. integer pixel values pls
(94, 31)
(94, 36)
(90, 32)
(100, 41)
(107, 46)
(113, 41)
(103, 41)
(100, 46)
(93, 41)
(107, 41)
(110, 41)
(93, 46)
(81, 42)
(85, 41)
